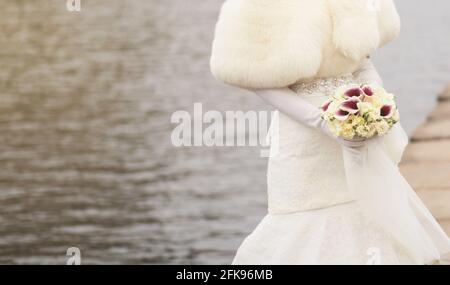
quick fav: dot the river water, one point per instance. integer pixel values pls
(85, 153)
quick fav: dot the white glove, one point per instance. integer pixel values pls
(300, 110)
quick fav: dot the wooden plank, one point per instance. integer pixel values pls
(426, 151)
(433, 130)
(427, 175)
(442, 111)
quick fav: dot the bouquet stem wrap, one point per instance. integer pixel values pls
(388, 200)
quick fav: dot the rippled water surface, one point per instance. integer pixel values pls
(85, 152)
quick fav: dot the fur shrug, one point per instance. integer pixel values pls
(275, 43)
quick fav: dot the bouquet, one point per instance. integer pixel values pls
(372, 174)
(360, 112)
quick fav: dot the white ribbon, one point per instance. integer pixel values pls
(388, 200)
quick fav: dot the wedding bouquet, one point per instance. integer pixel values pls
(360, 112)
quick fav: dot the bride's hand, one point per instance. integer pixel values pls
(352, 143)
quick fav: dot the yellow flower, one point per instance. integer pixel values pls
(362, 131)
(347, 130)
(382, 127)
(357, 121)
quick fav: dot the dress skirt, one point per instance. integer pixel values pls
(313, 217)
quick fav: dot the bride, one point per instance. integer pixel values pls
(294, 54)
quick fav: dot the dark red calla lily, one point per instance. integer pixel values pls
(341, 115)
(325, 106)
(350, 106)
(386, 111)
(368, 91)
(354, 92)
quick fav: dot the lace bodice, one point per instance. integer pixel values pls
(324, 86)
(306, 170)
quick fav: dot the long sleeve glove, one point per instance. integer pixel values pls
(300, 110)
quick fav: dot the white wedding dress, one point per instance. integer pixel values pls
(313, 217)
